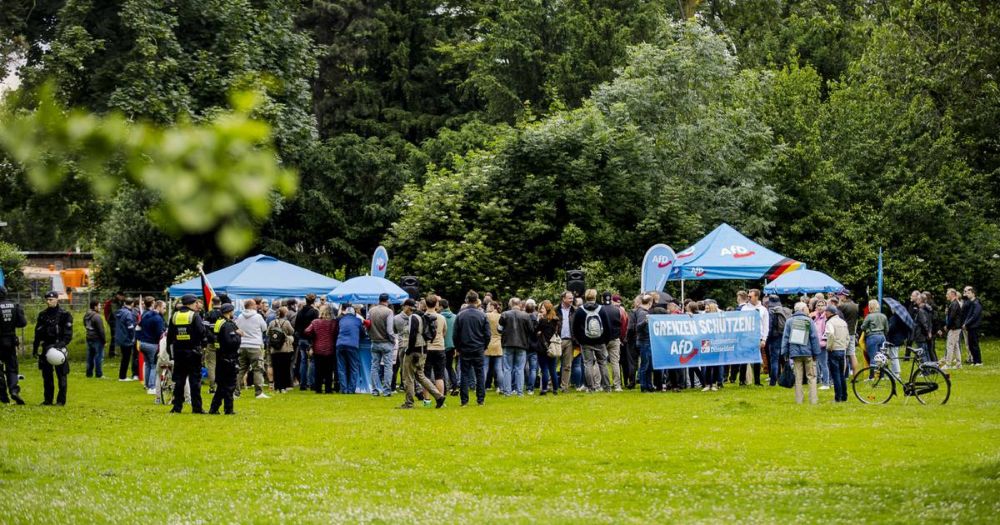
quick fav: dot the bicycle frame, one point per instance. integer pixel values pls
(916, 361)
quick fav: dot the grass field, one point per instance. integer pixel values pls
(738, 455)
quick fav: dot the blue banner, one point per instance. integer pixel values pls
(656, 267)
(379, 262)
(685, 341)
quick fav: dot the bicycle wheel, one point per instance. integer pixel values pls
(931, 386)
(875, 391)
(166, 389)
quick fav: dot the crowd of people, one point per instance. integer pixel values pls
(423, 350)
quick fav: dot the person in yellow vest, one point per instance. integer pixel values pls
(227, 337)
(184, 340)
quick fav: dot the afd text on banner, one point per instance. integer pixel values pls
(686, 341)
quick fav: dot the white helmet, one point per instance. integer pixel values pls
(55, 356)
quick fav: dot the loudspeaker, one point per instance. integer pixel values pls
(411, 285)
(575, 282)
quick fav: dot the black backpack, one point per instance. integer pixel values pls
(276, 337)
(430, 329)
(777, 324)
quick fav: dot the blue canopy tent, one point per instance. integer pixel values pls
(365, 290)
(263, 276)
(728, 254)
(803, 281)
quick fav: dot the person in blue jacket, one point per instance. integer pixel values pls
(348, 340)
(125, 340)
(800, 342)
(151, 329)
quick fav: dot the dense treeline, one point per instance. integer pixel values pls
(495, 144)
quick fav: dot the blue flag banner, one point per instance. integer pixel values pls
(657, 265)
(3, 279)
(379, 262)
(686, 341)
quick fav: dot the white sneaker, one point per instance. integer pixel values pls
(123, 380)
(263, 396)
(151, 391)
(824, 387)
(134, 378)
(715, 388)
(706, 389)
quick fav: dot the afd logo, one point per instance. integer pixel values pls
(686, 253)
(737, 251)
(662, 261)
(380, 264)
(698, 272)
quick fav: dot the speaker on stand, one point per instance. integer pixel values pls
(575, 282)
(411, 285)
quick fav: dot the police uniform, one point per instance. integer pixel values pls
(227, 362)
(53, 330)
(11, 318)
(211, 345)
(185, 337)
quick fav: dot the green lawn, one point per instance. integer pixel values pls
(738, 455)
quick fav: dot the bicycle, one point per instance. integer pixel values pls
(875, 385)
(166, 386)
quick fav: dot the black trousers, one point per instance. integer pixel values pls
(187, 370)
(324, 372)
(282, 364)
(49, 375)
(977, 357)
(630, 364)
(472, 370)
(8, 370)
(225, 382)
(129, 355)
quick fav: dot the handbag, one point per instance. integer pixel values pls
(787, 376)
(555, 347)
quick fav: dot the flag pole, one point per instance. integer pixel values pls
(880, 275)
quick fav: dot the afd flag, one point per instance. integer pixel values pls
(656, 267)
(3, 279)
(686, 341)
(379, 262)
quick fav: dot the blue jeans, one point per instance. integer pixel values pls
(149, 351)
(548, 367)
(307, 368)
(823, 367)
(836, 366)
(95, 358)
(532, 371)
(494, 363)
(873, 343)
(383, 355)
(348, 368)
(773, 361)
(514, 359)
(645, 366)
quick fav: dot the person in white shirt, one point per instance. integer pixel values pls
(765, 322)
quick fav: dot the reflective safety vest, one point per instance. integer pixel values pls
(218, 325)
(182, 320)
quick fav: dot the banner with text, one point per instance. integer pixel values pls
(685, 341)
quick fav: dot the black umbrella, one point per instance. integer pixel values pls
(900, 310)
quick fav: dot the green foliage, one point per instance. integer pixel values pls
(124, 255)
(12, 263)
(217, 177)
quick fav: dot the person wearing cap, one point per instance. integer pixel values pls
(383, 336)
(185, 335)
(54, 329)
(11, 318)
(776, 330)
(416, 358)
(227, 338)
(837, 338)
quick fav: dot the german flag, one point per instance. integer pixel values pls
(206, 289)
(784, 266)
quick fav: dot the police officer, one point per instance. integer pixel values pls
(211, 318)
(227, 337)
(11, 318)
(185, 336)
(53, 330)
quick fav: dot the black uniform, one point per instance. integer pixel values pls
(226, 364)
(11, 318)
(185, 337)
(54, 330)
